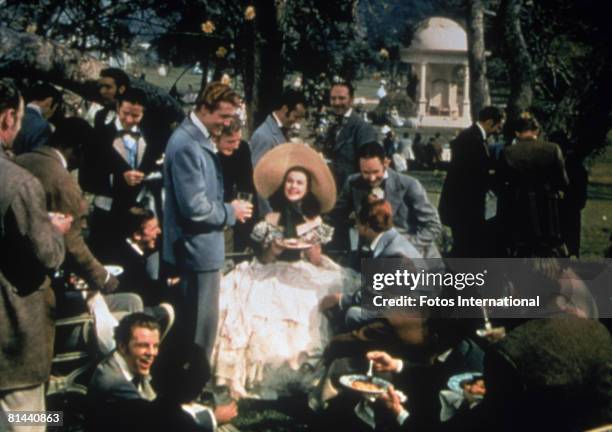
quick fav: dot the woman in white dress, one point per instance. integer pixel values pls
(269, 323)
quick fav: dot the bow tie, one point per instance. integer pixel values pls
(124, 132)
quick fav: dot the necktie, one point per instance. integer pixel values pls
(122, 133)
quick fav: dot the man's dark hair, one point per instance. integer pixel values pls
(136, 218)
(9, 95)
(120, 77)
(215, 93)
(346, 84)
(39, 92)
(71, 133)
(134, 96)
(123, 332)
(491, 113)
(291, 98)
(524, 124)
(371, 150)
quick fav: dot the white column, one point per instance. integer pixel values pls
(423, 84)
(466, 92)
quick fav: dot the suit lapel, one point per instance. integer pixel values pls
(277, 134)
(392, 186)
(120, 148)
(345, 128)
(142, 147)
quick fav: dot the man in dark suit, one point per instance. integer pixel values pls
(118, 165)
(195, 216)
(469, 177)
(133, 256)
(31, 248)
(413, 214)
(43, 100)
(347, 133)
(122, 398)
(113, 83)
(290, 110)
(235, 157)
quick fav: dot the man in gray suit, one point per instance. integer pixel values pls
(347, 133)
(121, 396)
(195, 215)
(413, 214)
(375, 226)
(290, 110)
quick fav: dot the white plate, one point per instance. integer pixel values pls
(348, 380)
(454, 382)
(295, 244)
(115, 270)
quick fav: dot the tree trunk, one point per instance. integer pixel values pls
(479, 85)
(268, 66)
(28, 56)
(518, 59)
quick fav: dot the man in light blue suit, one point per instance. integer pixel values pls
(290, 110)
(375, 227)
(195, 215)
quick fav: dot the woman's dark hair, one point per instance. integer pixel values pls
(310, 204)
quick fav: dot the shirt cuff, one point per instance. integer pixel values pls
(107, 278)
(402, 416)
(400, 366)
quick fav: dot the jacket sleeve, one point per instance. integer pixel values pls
(428, 226)
(190, 189)
(78, 254)
(42, 241)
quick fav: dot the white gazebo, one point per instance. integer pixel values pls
(439, 56)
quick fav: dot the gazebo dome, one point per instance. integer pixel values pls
(439, 34)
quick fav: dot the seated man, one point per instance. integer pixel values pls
(375, 226)
(139, 258)
(121, 397)
(413, 215)
(547, 374)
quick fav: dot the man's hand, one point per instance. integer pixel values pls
(226, 413)
(329, 301)
(242, 209)
(383, 362)
(391, 401)
(61, 222)
(133, 177)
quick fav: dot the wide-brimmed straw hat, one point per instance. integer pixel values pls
(272, 167)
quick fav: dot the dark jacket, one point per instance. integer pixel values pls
(353, 133)
(30, 249)
(35, 132)
(467, 181)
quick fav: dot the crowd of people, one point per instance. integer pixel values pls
(149, 263)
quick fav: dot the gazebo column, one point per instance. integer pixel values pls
(422, 85)
(466, 93)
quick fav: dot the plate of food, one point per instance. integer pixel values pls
(457, 383)
(115, 270)
(365, 384)
(294, 243)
